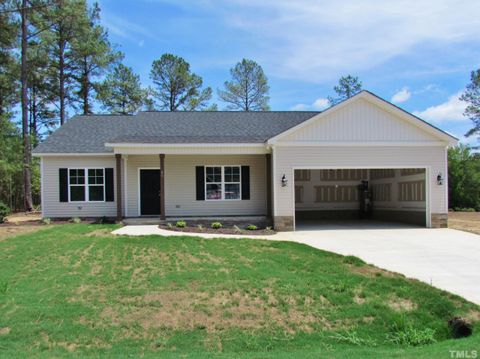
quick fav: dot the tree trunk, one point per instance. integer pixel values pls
(61, 65)
(86, 105)
(27, 156)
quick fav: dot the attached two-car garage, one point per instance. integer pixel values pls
(363, 158)
(381, 194)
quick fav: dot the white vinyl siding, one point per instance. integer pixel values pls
(51, 205)
(360, 121)
(180, 185)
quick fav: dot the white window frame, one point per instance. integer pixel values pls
(223, 183)
(86, 184)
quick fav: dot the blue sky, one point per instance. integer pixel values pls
(417, 54)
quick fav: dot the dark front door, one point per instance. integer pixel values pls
(149, 192)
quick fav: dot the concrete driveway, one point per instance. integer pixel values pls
(445, 258)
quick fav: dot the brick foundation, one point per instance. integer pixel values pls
(439, 220)
(283, 223)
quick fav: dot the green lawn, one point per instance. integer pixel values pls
(76, 290)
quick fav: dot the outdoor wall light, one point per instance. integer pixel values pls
(284, 181)
(439, 179)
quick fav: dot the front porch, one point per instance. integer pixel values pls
(182, 189)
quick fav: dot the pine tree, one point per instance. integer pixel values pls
(347, 87)
(177, 88)
(121, 92)
(472, 97)
(248, 89)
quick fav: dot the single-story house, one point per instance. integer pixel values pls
(363, 157)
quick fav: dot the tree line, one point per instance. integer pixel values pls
(56, 59)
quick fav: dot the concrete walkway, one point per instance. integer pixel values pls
(445, 258)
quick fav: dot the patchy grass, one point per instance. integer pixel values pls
(76, 290)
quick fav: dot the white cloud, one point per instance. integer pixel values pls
(317, 40)
(401, 96)
(124, 28)
(321, 104)
(450, 110)
(318, 105)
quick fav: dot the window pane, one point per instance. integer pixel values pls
(232, 191)
(95, 176)
(214, 191)
(77, 193)
(77, 176)
(214, 174)
(95, 193)
(232, 174)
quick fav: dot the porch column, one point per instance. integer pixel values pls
(118, 175)
(162, 186)
(268, 163)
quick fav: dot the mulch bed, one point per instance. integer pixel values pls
(257, 232)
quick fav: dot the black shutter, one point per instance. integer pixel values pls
(245, 182)
(63, 184)
(200, 181)
(109, 185)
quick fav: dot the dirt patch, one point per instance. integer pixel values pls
(465, 221)
(21, 217)
(371, 271)
(4, 331)
(104, 232)
(222, 310)
(473, 316)
(401, 304)
(257, 232)
(12, 230)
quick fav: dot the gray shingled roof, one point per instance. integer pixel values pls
(88, 134)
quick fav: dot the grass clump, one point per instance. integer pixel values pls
(408, 335)
(352, 337)
(46, 221)
(76, 220)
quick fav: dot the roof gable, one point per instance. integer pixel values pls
(364, 118)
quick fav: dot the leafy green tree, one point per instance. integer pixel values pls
(472, 97)
(92, 56)
(463, 178)
(347, 87)
(248, 88)
(176, 87)
(121, 92)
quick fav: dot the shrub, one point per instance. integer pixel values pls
(4, 211)
(181, 224)
(216, 225)
(45, 220)
(462, 209)
(408, 335)
(75, 220)
(252, 227)
(460, 328)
